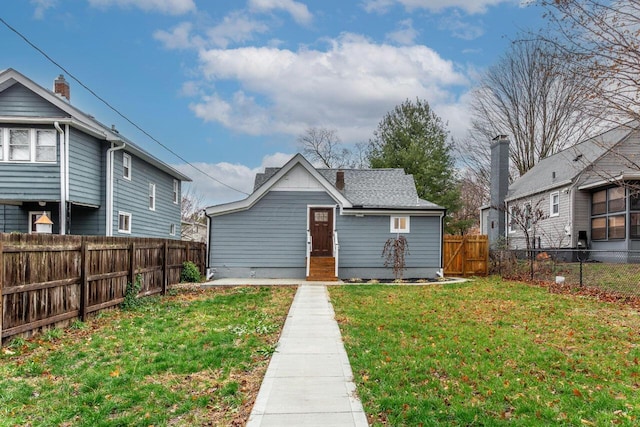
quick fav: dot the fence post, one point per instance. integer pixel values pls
(84, 283)
(132, 262)
(1, 287)
(532, 257)
(581, 262)
(165, 267)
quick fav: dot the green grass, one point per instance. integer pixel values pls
(490, 352)
(194, 358)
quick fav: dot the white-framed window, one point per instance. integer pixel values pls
(399, 224)
(528, 215)
(176, 191)
(19, 145)
(33, 217)
(511, 220)
(152, 197)
(28, 145)
(126, 166)
(124, 222)
(172, 230)
(554, 204)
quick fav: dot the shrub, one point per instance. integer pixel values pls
(131, 300)
(190, 272)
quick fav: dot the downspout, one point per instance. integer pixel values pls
(63, 179)
(109, 224)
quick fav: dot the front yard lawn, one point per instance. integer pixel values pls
(195, 358)
(490, 352)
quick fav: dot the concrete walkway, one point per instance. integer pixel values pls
(309, 380)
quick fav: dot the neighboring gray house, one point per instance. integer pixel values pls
(324, 223)
(588, 194)
(86, 177)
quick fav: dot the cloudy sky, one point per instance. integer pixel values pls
(230, 85)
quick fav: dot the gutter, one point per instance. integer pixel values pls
(109, 224)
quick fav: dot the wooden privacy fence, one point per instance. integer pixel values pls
(466, 255)
(52, 280)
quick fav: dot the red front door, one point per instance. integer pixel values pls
(321, 228)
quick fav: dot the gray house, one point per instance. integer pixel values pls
(86, 177)
(588, 195)
(320, 224)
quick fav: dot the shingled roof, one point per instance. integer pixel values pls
(370, 188)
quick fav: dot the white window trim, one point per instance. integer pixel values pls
(551, 204)
(172, 230)
(393, 229)
(5, 138)
(33, 218)
(152, 196)
(524, 206)
(176, 192)
(125, 175)
(510, 228)
(127, 214)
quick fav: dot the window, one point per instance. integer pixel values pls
(527, 215)
(126, 166)
(176, 191)
(634, 227)
(599, 202)
(28, 145)
(152, 197)
(599, 228)
(617, 227)
(512, 219)
(45, 146)
(399, 224)
(124, 222)
(172, 230)
(616, 199)
(19, 145)
(554, 208)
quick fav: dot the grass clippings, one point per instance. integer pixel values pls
(490, 352)
(194, 358)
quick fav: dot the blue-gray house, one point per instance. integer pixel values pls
(321, 224)
(86, 177)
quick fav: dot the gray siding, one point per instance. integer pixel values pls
(362, 240)
(581, 215)
(17, 100)
(272, 234)
(12, 219)
(30, 181)
(133, 197)
(87, 158)
(87, 221)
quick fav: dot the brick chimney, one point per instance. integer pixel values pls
(340, 180)
(61, 87)
(498, 188)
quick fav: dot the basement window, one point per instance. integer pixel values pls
(400, 224)
(124, 222)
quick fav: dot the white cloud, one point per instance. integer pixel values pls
(179, 37)
(234, 175)
(469, 6)
(298, 11)
(349, 86)
(236, 27)
(405, 35)
(170, 7)
(41, 6)
(459, 28)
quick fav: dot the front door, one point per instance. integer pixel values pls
(321, 228)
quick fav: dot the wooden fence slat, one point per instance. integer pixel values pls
(466, 255)
(41, 285)
(165, 270)
(39, 324)
(1, 288)
(84, 286)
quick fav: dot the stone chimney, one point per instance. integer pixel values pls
(496, 226)
(61, 87)
(340, 180)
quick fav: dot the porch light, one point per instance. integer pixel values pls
(43, 224)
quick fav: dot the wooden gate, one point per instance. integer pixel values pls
(466, 255)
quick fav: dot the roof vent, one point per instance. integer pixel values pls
(113, 129)
(553, 175)
(340, 180)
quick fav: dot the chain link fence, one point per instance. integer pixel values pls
(614, 272)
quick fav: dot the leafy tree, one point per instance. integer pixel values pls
(414, 138)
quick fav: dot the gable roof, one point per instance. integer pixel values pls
(76, 118)
(566, 166)
(364, 188)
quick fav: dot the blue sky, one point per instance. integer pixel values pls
(230, 85)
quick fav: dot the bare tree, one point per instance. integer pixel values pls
(526, 218)
(191, 213)
(601, 38)
(323, 145)
(472, 197)
(530, 95)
